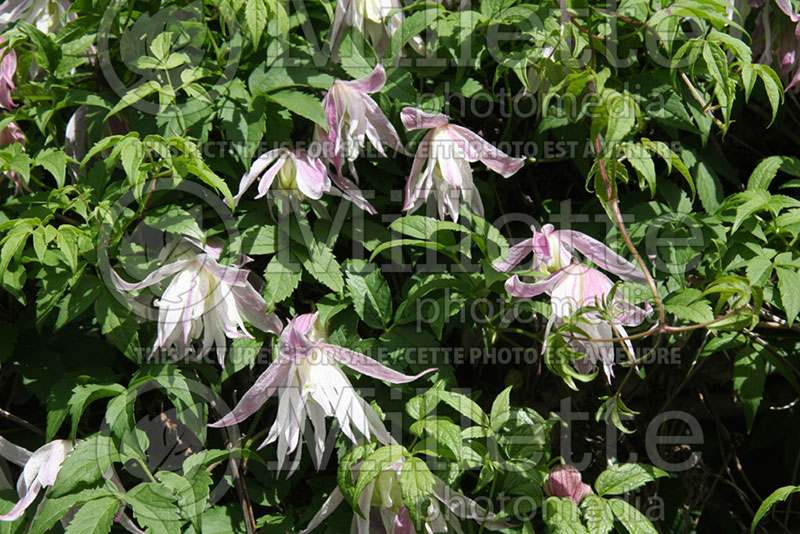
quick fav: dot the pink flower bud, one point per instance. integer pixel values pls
(565, 481)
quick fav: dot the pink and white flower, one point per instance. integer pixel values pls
(300, 176)
(40, 470)
(383, 496)
(565, 481)
(572, 288)
(47, 15)
(204, 298)
(311, 385)
(555, 249)
(353, 118)
(369, 17)
(446, 152)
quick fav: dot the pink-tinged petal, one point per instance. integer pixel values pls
(256, 396)
(518, 288)
(331, 503)
(312, 177)
(156, 276)
(228, 274)
(601, 255)
(367, 366)
(403, 523)
(295, 345)
(416, 182)
(11, 134)
(786, 7)
(256, 169)
(370, 84)
(515, 256)
(796, 78)
(353, 193)
(416, 119)
(488, 154)
(23, 504)
(305, 322)
(253, 308)
(269, 176)
(337, 29)
(565, 481)
(383, 128)
(14, 453)
(464, 507)
(58, 450)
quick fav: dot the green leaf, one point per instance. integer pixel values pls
(749, 375)
(755, 200)
(155, 508)
(119, 325)
(779, 495)
(85, 464)
(632, 519)
(302, 104)
(416, 487)
(598, 515)
(789, 288)
(767, 169)
(255, 16)
(501, 409)
(176, 220)
(55, 162)
(282, 279)
(131, 97)
(192, 494)
(421, 227)
(53, 508)
(621, 478)
(94, 517)
(773, 87)
(443, 430)
(67, 244)
(371, 295)
(82, 395)
(322, 265)
(463, 405)
(758, 270)
(642, 162)
(563, 517)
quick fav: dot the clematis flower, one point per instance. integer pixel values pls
(383, 497)
(446, 153)
(40, 470)
(565, 481)
(572, 288)
(368, 17)
(205, 298)
(300, 176)
(8, 66)
(554, 249)
(47, 15)
(353, 117)
(311, 385)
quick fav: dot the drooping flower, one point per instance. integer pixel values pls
(384, 497)
(204, 298)
(8, 66)
(47, 15)
(40, 470)
(565, 481)
(446, 152)
(368, 16)
(300, 176)
(555, 249)
(572, 288)
(311, 385)
(353, 117)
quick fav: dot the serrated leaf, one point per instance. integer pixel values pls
(155, 508)
(53, 508)
(372, 298)
(416, 487)
(563, 517)
(94, 517)
(282, 279)
(322, 265)
(55, 162)
(373, 464)
(85, 464)
(598, 515)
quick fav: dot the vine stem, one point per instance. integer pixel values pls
(613, 202)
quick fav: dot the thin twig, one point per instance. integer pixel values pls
(20, 421)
